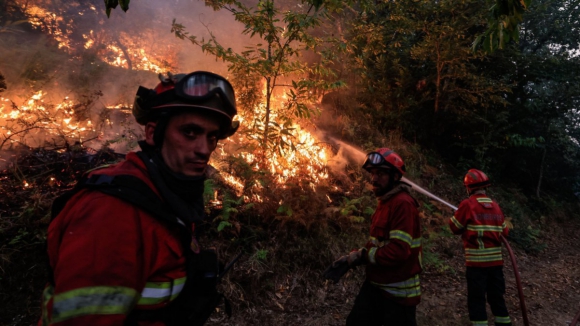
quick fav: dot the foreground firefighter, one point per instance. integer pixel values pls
(392, 255)
(122, 247)
(481, 223)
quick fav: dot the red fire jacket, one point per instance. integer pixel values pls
(110, 257)
(480, 222)
(394, 250)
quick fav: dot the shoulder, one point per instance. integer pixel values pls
(465, 202)
(88, 204)
(405, 198)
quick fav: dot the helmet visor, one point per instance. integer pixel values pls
(375, 159)
(202, 85)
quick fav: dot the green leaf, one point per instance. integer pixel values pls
(124, 4)
(222, 225)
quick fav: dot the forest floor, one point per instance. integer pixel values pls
(550, 279)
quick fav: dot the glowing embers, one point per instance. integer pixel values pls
(35, 120)
(65, 22)
(130, 52)
(50, 23)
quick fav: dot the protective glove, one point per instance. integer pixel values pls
(340, 266)
(337, 269)
(356, 257)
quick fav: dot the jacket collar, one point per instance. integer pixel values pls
(399, 187)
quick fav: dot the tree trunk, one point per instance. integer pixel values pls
(541, 171)
(125, 53)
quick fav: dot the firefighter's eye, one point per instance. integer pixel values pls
(381, 173)
(192, 131)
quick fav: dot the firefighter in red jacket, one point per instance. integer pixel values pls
(122, 250)
(481, 222)
(392, 255)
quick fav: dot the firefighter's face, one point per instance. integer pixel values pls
(381, 180)
(189, 140)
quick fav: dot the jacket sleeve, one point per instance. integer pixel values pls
(458, 222)
(98, 262)
(505, 232)
(398, 248)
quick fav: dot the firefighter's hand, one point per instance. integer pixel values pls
(356, 257)
(337, 270)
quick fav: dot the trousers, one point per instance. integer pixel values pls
(372, 308)
(490, 282)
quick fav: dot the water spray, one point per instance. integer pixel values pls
(359, 155)
(426, 193)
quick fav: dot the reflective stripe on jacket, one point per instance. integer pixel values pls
(394, 248)
(110, 258)
(480, 222)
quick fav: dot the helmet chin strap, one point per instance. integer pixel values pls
(475, 191)
(391, 184)
(159, 133)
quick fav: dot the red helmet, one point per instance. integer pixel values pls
(198, 91)
(476, 179)
(384, 158)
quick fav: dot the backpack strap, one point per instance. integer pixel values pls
(129, 188)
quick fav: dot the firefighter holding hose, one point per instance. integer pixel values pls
(392, 255)
(122, 244)
(481, 223)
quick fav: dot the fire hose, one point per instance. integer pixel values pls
(518, 281)
(508, 247)
(576, 319)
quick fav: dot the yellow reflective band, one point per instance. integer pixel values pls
(374, 241)
(372, 253)
(484, 200)
(479, 240)
(456, 222)
(401, 235)
(47, 294)
(178, 285)
(478, 228)
(485, 251)
(97, 300)
(483, 259)
(405, 289)
(479, 322)
(502, 320)
(158, 292)
(416, 243)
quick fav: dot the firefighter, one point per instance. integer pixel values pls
(481, 223)
(391, 290)
(122, 247)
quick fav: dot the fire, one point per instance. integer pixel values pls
(49, 22)
(119, 49)
(295, 155)
(304, 157)
(36, 119)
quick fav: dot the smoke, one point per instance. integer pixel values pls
(349, 154)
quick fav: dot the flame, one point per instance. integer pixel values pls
(300, 155)
(35, 117)
(127, 50)
(48, 22)
(305, 157)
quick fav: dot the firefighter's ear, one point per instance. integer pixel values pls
(397, 177)
(150, 132)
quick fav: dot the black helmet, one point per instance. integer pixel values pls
(199, 91)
